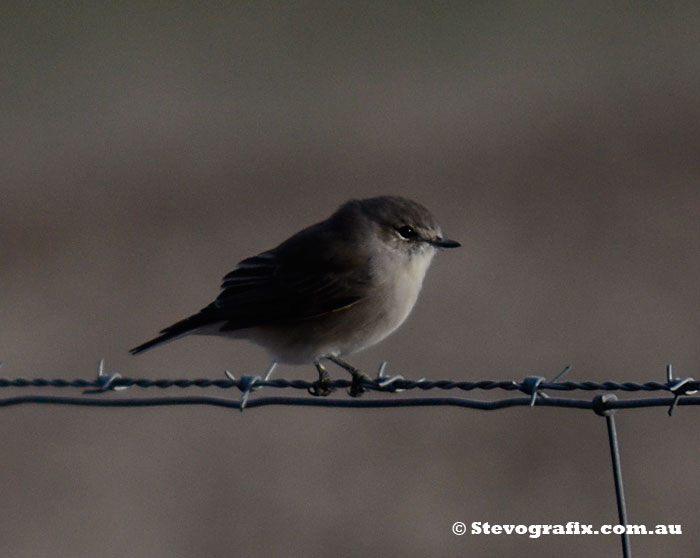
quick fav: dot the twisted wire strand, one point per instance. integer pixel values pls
(534, 387)
(374, 385)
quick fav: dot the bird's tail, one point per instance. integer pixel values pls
(183, 327)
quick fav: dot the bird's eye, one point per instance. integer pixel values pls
(407, 232)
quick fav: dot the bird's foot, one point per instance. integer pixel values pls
(356, 387)
(358, 378)
(322, 387)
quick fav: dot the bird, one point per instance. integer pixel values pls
(330, 290)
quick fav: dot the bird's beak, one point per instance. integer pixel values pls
(445, 243)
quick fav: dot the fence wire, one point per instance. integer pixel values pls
(531, 392)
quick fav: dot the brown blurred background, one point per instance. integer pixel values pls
(147, 148)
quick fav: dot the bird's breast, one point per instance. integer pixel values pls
(402, 289)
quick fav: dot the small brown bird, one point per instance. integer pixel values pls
(332, 289)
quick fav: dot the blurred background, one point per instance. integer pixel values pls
(146, 148)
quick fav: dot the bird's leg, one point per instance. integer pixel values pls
(323, 386)
(358, 377)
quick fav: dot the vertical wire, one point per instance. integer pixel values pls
(619, 488)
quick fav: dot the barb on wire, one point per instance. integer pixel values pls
(250, 383)
(679, 387)
(105, 381)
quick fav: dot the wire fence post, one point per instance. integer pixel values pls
(609, 414)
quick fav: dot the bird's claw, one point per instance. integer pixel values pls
(356, 387)
(323, 386)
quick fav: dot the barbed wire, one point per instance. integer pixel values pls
(96, 393)
(533, 387)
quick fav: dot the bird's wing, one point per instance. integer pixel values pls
(300, 279)
(309, 275)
